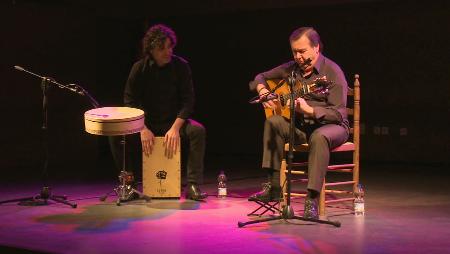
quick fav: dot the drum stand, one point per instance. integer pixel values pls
(125, 191)
(46, 194)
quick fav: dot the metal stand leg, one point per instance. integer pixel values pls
(41, 199)
(125, 191)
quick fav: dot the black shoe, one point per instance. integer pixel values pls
(267, 194)
(194, 193)
(311, 208)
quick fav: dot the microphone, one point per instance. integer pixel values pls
(268, 97)
(18, 68)
(75, 88)
(306, 63)
(290, 79)
(72, 87)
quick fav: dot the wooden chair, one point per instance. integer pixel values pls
(352, 146)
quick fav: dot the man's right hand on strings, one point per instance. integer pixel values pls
(263, 92)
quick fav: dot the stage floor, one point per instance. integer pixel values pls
(407, 211)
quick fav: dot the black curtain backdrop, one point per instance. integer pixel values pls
(400, 50)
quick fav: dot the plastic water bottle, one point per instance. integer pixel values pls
(359, 200)
(222, 185)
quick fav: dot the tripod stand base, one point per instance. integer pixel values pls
(41, 199)
(334, 223)
(288, 214)
(33, 202)
(129, 196)
(125, 192)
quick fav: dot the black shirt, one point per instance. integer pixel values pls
(163, 92)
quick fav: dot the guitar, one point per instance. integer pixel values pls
(318, 86)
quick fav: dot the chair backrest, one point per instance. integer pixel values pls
(354, 113)
(353, 109)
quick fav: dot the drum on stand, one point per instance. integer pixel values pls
(115, 121)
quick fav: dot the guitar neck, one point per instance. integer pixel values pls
(317, 87)
(297, 94)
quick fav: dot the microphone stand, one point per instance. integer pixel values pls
(46, 194)
(287, 212)
(71, 87)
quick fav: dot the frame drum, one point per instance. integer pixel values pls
(113, 121)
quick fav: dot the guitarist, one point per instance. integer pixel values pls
(322, 118)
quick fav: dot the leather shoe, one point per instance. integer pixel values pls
(267, 194)
(311, 208)
(194, 193)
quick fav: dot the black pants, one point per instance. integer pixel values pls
(321, 140)
(193, 142)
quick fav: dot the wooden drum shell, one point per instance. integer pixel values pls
(114, 121)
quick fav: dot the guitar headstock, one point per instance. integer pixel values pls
(319, 86)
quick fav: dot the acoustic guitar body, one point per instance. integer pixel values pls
(318, 86)
(281, 109)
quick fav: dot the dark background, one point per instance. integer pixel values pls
(399, 48)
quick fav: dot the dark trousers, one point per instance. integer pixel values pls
(321, 140)
(193, 142)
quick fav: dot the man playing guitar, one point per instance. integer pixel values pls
(322, 121)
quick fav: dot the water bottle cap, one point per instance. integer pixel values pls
(222, 176)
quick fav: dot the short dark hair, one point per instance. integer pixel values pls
(156, 36)
(310, 33)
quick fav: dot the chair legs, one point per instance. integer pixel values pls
(322, 196)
